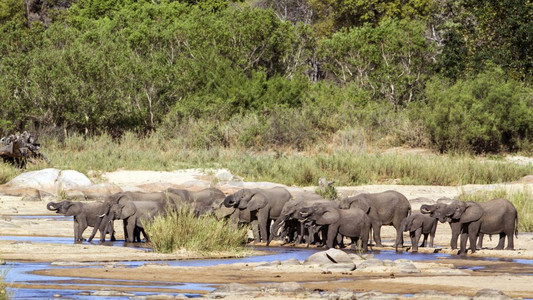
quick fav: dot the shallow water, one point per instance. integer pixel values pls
(20, 272)
(70, 240)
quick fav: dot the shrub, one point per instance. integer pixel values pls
(483, 114)
(182, 230)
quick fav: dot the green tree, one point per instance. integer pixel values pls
(391, 60)
(487, 113)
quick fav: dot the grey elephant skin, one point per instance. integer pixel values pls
(386, 208)
(131, 207)
(200, 201)
(85, 215)
(353, 223)
(288, 225)
(471, 220)
(264, 205)
(418, 224)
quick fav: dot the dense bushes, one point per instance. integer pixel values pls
(236, 75)
(484, 113)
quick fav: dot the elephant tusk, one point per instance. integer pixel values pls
(101, 216)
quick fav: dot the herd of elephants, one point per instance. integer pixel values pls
(302, 218)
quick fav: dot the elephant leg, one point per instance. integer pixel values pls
(456, 231)
(255, 230)
(364, 241)
(425, 240)
(399, 235)
(130, 230)
(76, 229)
(501, 241)
(332, 235)
(415, 238)
(262, 218)
(376, 228)
(301, 233)
(480, 241)
(510, 240)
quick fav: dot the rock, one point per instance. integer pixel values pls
(374, 295)
(445, 200)
(291, 262)
(432, 294)
(236, 288)
(341, 267)
(526, 179)
(490, 294)
(99, 191)
(422, 200)
(112, 294)
(370, 263)
(49, 180)
(290, 287)
(406, 267)
(328, 257)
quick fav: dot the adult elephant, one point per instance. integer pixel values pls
(288, 223)
(353, 223)
(85, 215)
(264, 205)
(119, 207)
(418, 224)
(201, 201)
(386, 208)
(473, 220)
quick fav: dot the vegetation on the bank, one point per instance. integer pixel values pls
(182, 230)
(451, 75)
(344, 165)
(520, 198)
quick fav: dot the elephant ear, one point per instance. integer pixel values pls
(415, 224)
(329, 216)
(72, 209)
(472, 213)
(127, 209)
(256, 203)
(362, 204)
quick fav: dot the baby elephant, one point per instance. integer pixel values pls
(418, 224)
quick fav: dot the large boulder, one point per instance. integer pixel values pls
(50, 180)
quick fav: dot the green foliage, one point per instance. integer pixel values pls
(391, 60)
(237, 76)
(334, 15)
(484, 114)
(521, 199)
(182, 230)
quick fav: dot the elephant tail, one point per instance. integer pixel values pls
(516, 225)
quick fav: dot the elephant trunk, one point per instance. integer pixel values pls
(426, 209)
(276, 226)
(229, 201)
(52, 206)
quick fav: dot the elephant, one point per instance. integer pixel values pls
(264, 205)
(288, 224)
(472, 220)
(386, 208)
(85, 214)
(161, 201)
(418, 224)
(202, 201)
(353, 223)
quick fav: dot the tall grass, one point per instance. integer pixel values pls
(182, 230)
(521, 199)
(344, 164)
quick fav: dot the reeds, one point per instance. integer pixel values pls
(205, 234)
(344, 165)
